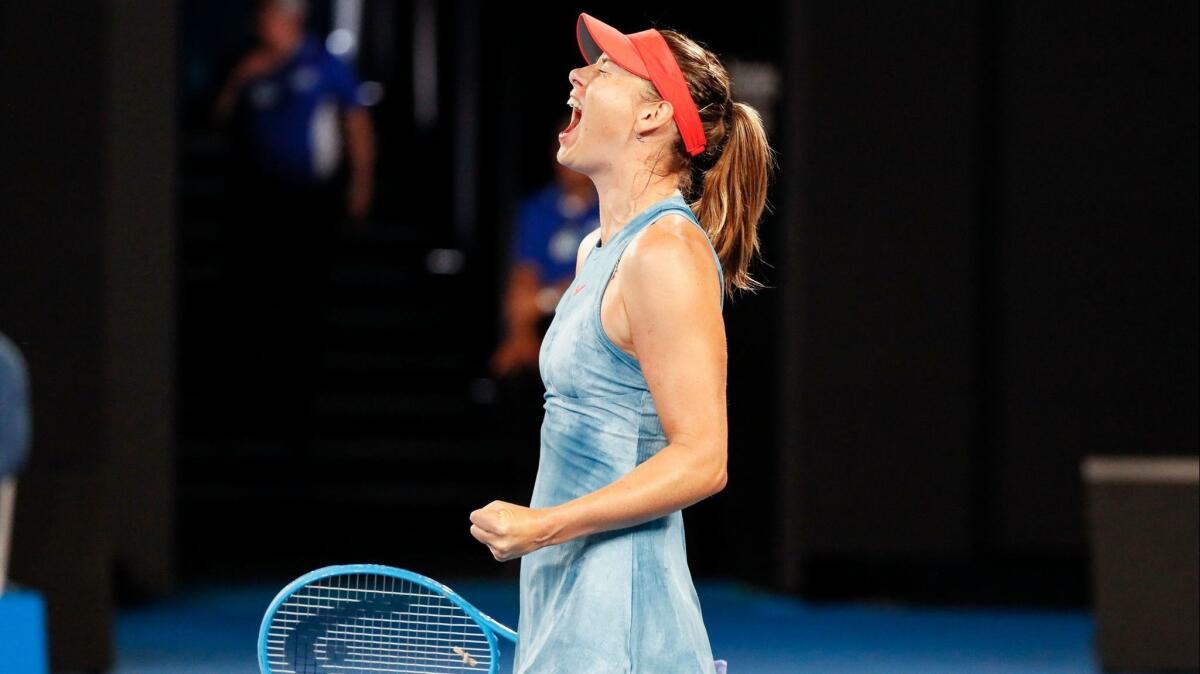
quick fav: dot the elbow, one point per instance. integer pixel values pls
(718, 474)
(719, 482)
(701, 471)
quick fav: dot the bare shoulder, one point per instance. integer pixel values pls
(585, 247)
(672, 253)
(669, 238)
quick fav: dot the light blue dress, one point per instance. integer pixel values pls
(621, 601)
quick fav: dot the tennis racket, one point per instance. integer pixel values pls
(373, 619)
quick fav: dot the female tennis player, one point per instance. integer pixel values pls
(634, 360)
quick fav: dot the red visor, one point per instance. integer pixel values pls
(646, 55)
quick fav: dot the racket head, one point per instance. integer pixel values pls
(353, 618)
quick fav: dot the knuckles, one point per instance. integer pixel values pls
(492, 526)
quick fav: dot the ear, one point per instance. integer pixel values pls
(653, 116)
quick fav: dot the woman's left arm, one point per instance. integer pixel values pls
(670, 294)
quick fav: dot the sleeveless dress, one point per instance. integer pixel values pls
(620, 601)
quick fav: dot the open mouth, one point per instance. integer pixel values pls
(576, 116)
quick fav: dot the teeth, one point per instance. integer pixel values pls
(571, 103)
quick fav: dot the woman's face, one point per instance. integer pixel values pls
(605, 97)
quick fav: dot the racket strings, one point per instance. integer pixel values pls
(364, 622)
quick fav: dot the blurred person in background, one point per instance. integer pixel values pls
(14, 440)
(300, 106)
(14, 413)
(304, 164)
(548, 228)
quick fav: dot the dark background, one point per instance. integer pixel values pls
(982, 266)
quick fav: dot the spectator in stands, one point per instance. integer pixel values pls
(299, 101)
(14, 408)
(14, 441)
(547, 231)
(295, 106)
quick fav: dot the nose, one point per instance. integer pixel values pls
(578, 78)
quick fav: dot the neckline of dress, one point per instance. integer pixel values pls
(634, 221)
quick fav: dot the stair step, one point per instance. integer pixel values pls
(409, 450)
(384, 363)
(428, 407)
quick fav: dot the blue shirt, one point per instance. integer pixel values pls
(293, 114)
(549, 228)
(14, 409)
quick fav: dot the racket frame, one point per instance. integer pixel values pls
(490, 627)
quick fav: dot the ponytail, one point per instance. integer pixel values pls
(734, 195)
(734, 170)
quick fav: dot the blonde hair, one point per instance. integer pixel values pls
(734, 170)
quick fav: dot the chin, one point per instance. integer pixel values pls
(568, 162)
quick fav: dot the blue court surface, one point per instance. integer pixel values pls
(213, 630)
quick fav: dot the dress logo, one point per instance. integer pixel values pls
(578, 288)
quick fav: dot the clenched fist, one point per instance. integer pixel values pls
(510, 530)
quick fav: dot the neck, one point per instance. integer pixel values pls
(580, 189)
(626, 192)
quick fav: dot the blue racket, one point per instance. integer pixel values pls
(372, 619)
